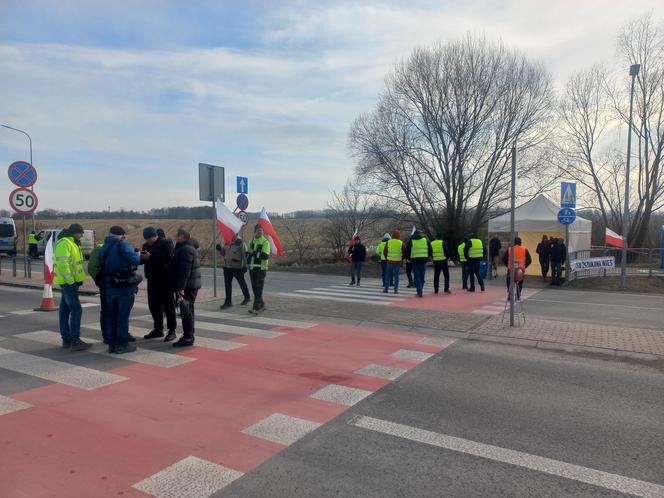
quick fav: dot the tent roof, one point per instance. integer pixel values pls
(538, 214)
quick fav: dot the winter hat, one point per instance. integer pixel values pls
(258, 226)
(386, 236)
(75, 228)
(161, 233)
(149, 232)
(396, 234)
(116, 230)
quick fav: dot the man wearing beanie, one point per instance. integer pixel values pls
(68, 272)
(157, 253)
(259, 252)
(119, 262)
(395, 253)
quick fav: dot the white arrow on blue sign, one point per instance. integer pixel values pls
(568, 195)
(242, 185)
(566, 216)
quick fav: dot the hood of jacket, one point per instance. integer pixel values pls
(189, 242)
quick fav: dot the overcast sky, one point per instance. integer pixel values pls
(124, 98)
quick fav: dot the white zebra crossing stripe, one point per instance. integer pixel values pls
(330, 298)
(56, 371)
(135, 331)
(234, 329)
(368, 289)
(281, 429)
(220, 344)
(141, 355)
(263, 320)
(9, 405)
(330, 293)
(361, 293)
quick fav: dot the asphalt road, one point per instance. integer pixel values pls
(485, 420)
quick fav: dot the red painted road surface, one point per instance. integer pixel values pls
(460, 300)
(75, 443)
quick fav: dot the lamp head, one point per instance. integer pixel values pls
(634, 69)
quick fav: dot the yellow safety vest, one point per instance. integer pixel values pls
(476, 249)
(419, 248)
(438, 251)
(260, 248)
(68, 262)
(395, 250)
(460, 249)
(380, 250)
(32, 239)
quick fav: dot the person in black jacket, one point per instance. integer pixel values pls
(184, 277)
(558, 256)
(158, 252)
(358, 255)
(544, 252)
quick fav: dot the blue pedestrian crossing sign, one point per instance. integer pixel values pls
(566, 216)
(242, 185)
(568, 195)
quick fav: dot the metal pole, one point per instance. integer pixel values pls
(633, 72)
(214, 232)
(567, 272)
(25, 249)
(512, 235)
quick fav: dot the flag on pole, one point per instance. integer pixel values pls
(275, 243)
(48, 261)
(227, 223)
(613, 239)
(412, 232)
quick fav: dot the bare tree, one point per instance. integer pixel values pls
(438, 143)
(302, 239)
(348, 211)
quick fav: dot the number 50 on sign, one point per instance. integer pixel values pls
(23, 201)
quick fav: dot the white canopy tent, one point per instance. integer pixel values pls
(540, 217)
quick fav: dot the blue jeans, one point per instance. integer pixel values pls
(70, 315)
(118, 308)
(392, 275)
(419, 270)
(465, 270)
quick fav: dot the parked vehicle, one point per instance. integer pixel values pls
(7, 236)
(87, 241)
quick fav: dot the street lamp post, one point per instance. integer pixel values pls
(633, 72)
(30, 143)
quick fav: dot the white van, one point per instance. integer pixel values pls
(7, 236)
(87, 241)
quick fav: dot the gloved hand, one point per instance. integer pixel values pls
(244, 269)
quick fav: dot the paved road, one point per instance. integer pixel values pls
(481, 420)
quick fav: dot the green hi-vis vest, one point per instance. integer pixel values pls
(68, 262)
(260, 248)
(462, 257)
(437, 250)
(419, 248)
(380, 250)
(394, 250)
(32, 239)
(476, 249)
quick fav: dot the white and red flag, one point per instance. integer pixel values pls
(268, 229)
(613, 239)
(227, 223)
(48, 261)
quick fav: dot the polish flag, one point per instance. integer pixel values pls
(268, 229)
(350, 244)
(227, 223)
(613, 239)
(48, 262)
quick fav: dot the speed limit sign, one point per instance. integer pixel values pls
(243, 217)
(23, 200)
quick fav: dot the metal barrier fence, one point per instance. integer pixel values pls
(12, 264)
(640, 261)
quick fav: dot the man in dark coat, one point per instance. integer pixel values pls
(157, 253)
(358, 254)
(558, 256)
(184, 277)
(544, 252)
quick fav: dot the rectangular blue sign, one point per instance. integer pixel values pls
(242, 185)
(568, 195)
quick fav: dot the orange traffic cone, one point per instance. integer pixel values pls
(47, 302)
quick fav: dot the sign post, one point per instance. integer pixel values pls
(211, 186)
(566, 216)
(23, 200)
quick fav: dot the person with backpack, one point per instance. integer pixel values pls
(119, 262)
(235, 266)
(184, 277)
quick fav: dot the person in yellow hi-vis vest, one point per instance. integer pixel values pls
(418, 251)
(475, 252)
(69, 274)
(395, 252)
(33, 242)
(463, 262)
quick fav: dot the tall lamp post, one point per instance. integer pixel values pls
(30, 143)
(633, 72)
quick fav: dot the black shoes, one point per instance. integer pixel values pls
(471, 289)
(80, 346)
(352, 282)
(225, 306)
(183, 343)
(245, 301)
(358, 283)
(131, 338)
(384, 291)
(170, 336)
(447, 291)
(396, 291)
(127, 348)
(154, 334)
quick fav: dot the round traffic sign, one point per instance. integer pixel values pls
(23, 200)
(243, 217)
(566, 216)
(242, 202)
(22, 174)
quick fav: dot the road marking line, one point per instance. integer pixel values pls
(486, 312)
(381, 371)
(350, 294)
(141, 355)
(342, 395)
(191, 477)
(56, 371)
(361, 293)
(337, 299)
(408, 354)
(135, 331)
(234, 329)
(366, 289)
(586, 475)
(578, 303)
(9, 405)
(437, 341)
(493, 308)
(219, 344)
(282, 429)
(23, 312)
(89, 305)
(263, 320)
